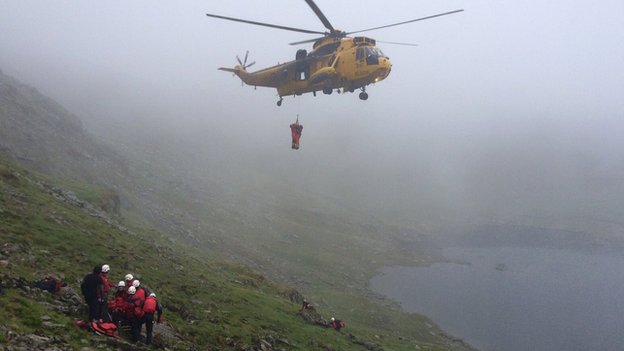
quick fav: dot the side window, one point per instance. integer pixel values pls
(359, 54)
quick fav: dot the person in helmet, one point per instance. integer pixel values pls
(102, 293)
(116, 306)
(140, 291)
(337, 324)
(128, 279)
(305, 305)
(150, 307)
(137, 300)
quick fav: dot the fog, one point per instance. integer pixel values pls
(502, 111)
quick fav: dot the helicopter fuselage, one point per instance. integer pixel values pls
(343, 64)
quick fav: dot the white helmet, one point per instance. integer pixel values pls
(152, 295)
(121, 284)
(333, 319)
(129, 276)
(105, 268)
(131, 290)
(136, 283)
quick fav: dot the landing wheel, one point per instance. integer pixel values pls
(363, 96)
(279, 102)
(328, 91)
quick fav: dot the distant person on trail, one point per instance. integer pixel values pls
(336, 323)
(305, 305)
(150, 307)
(89, 287)
(295, 130)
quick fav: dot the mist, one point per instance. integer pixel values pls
(507, 111)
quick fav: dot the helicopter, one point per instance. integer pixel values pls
(337, 61)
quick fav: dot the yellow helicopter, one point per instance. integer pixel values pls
(336, 62)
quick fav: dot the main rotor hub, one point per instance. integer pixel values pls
(337, 33)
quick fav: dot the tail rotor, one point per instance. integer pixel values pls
(244, 63)
(241, 69)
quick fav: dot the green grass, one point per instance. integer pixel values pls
(212, 304)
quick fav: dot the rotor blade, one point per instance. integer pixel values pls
(251, 64)
(239, 60)
(320, 15)
(265, 24)
(306, 41)
(246, 54)
(395, 43)
(410, 21)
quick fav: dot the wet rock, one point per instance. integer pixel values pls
(313, 317)
(265, 345)
(293, 295)
(10, 248)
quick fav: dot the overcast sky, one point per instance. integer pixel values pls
(502, 70)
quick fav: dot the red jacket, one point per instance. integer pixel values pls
(119, 302)
(137, 305)
(105, 287)
(140, 292)
(150, 305)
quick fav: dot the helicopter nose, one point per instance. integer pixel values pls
(385, 66)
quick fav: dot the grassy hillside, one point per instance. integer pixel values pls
(209, 304)
(188, 221)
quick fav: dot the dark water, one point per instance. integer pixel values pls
(517, 298)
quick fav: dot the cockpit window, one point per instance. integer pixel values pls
(372, 56)
(372, 51)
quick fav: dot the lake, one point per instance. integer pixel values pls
(507, 298)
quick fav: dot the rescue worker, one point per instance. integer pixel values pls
(116, 306)
(128, 307)
(150, 307)
(295, 130)
(102, 293)
(139, 289)
(305, 305)
(136, 312)
(336, 323)
(128, 279)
